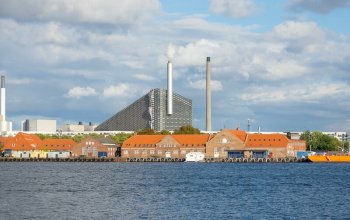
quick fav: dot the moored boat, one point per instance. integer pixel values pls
(330, 158)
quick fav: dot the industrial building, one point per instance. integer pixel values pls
(77, 128)
(159, 109)
(39, 125)
(150, 112)
(5, 126)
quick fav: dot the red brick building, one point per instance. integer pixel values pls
(224, 144)
(95, 147)
(163, 146)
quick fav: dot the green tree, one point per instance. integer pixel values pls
(187, 129)
(120, 138)
(78, 138)
(146, 131)
(319, 141)
(164, 132)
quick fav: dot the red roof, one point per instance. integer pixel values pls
(183, 139)
(239, 134)
(266, 140)
(58, 144)
(24, 142)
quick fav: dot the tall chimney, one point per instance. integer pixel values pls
(3, 98)
(208, 96)
(170, 89)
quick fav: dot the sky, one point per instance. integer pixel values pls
(284, 65)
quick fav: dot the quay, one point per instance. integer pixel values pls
(156, 160)
(226, 160)
(12, 159)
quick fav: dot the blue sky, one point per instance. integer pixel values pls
(282, 64)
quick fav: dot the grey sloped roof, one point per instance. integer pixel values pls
(105, 140)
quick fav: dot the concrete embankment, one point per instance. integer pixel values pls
(146, 160)
(10, 159)
(226, 160)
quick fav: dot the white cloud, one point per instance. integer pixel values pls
(86, 11)
(78, 92)
(201, 84)
(120, 90)
(22, 81)
(318, 6)
(144, 77)
(313, 93)
(194, 54)
(236, 9)
(302, 31)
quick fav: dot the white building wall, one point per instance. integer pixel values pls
(39, 125)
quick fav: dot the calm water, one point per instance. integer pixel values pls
(174, 191)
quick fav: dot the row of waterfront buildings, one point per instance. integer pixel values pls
(224, 144)
(24, 145)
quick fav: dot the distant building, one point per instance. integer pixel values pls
(5, 126)
(150, 111)
(95, 147)
(31, 146)
(340, 135)
(39, 125)
(77, 128)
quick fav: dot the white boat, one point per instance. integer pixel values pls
(194, 157)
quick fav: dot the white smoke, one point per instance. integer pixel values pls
(171, 51)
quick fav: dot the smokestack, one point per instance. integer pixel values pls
(170, 89)
(3, 98)
(208, 96)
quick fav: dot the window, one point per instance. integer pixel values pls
(126, 152)
(160, 152)
(176, 152)
(151, 151)
(183, 151)
(136, 152)
(144, 152)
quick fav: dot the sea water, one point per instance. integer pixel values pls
(39, 190)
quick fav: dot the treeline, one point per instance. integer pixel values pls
(121, 137)
(117, 138)
(318, 141)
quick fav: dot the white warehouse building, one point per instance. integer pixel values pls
(39, 125)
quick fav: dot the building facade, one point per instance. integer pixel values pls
(224, 144)
(150, 111)
(39, 125)
(95, 147)
(31, 146)
(238, 143)
(163, 146)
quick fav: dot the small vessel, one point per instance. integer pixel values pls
(195, 157)
(329, 158)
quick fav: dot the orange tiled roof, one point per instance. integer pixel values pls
(24, 142)
(239, 134)
(143, 139)
(58, 144)
(266, 140)
(183, 139)
(196, 139)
